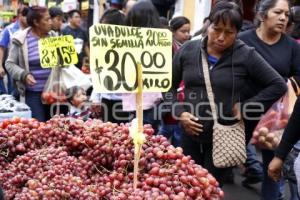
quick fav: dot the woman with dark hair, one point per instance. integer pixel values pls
(281, 52)
(111, 103)
(143, 14)
(113, 16)
(231, 64)
(164, 7)
(23, 62)
(164, 22)
(180, 27)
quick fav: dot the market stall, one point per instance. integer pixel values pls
(68, 158)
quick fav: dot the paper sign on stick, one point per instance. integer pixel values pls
(57, 51)
(116, 50)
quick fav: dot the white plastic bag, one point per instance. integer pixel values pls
(72, 76)
(62, 79)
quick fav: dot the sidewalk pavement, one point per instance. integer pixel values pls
(236, 191)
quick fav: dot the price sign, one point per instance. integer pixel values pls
(116, 50)
(57, 51)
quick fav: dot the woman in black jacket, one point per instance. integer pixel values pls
(231, 63)
(282, 53)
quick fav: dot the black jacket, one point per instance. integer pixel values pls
(242, 61)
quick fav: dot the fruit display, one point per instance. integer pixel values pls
(66, 158)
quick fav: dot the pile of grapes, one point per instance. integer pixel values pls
(67, 158)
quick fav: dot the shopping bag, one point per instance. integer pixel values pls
(72, 76)
(61, 79)
(269, 130)
(54, 89)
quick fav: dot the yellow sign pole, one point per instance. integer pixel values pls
(114, 49)
(139, 116)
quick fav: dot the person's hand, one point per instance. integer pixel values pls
(2, 72)
(236, 110)
(274, 169)
(190, 123)
(30, 80)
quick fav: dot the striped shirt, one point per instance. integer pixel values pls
(40, 74)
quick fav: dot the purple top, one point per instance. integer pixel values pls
(40, 74)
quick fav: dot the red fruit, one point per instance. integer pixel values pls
(160, 154)
(204, 181)
(154, 171)
(185, 159)
(221, 194)
(90, 141)
(15, 120)
(20, 148)
(212, 180)
(191, 192)
(24, 121)
(5, 123)
(32, 184)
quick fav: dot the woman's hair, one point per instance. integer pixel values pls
(23, 10)
(177, 22)
(35, 13)
(224, 11)
(164, 22)
(113, 16)
(55, 11)
(262, 8)
(238, 2)
(143, 14)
